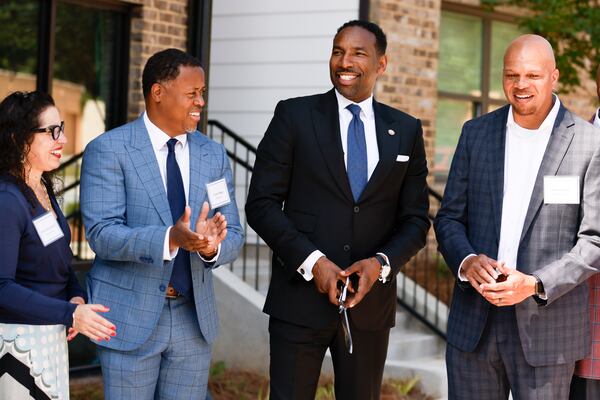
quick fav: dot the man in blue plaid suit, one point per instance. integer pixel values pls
(519, 227)
(143, 199)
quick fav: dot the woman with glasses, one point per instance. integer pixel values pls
(39, 292)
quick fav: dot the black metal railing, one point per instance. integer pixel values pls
(254, 263)
(424, 285)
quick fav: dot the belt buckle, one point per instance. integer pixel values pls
(171, 293)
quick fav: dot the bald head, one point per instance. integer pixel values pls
(529, 77)
(534, 45)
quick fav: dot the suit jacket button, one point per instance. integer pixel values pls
(346, 247)
(162, 288)
(356, 209)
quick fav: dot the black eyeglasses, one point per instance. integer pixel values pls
(343, 310)
(54, 130)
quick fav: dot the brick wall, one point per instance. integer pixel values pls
(155, 25)
(409, 83)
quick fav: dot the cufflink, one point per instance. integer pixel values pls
(391, 132)
(302, 271)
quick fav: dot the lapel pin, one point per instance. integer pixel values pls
(391, 132)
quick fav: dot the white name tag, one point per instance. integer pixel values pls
(218, 195)
(561, 189)
(47, 228)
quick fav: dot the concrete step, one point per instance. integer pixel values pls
(431, 372)
(408, 345)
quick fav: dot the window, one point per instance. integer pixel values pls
(472, 45)
(75, 50)
(18, 45)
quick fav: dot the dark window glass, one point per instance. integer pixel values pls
(18, 45)
(84, 70)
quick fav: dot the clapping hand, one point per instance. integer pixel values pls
(211, 231)
(207, 236)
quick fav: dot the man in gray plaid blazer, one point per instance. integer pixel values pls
(519, 226)
(154, 255)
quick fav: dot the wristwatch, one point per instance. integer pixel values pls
(385, 270)
(539, 287)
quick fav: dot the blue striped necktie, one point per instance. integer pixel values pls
(357, 153)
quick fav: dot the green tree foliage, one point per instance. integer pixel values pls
(571, 26)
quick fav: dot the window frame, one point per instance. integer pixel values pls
(481, 104)
(116, 111)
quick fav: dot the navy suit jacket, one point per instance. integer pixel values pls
(36, 282)
(300, 201)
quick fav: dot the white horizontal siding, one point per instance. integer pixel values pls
(248, 7)
(266, 51)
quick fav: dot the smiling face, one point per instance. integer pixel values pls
(175, 106)
(44, 152)
(529, 77)
(355, 65)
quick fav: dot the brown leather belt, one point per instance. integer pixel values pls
(171, 293)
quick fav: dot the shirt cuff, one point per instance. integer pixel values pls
(212, 260)
(460, 273)
(387, 260)
(305, 269)
(167, 254)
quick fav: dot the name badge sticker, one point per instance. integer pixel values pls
(47, 228)
(562, 189)
(218, 194)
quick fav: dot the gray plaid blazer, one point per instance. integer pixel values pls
(560, 243)
(126, 215)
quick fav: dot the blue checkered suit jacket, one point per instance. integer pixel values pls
(126, 214)
(560, 243)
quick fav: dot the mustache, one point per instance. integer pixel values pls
(346, 70)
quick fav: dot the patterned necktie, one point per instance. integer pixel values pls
(181, 278)
(357, 153)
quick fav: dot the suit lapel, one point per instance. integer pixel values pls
(146, 166)
(387, 146)
(496, 152)
(199, 173)
(560, 140)
(327, 129)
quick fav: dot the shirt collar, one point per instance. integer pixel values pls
(548, 122)
(366, 105)
(158, 137)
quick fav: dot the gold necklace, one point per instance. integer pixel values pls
(44, 199)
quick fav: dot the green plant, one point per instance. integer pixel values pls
(404, 387)
(217, 369)
(571, 26)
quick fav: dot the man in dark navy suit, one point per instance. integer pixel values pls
(338, 191)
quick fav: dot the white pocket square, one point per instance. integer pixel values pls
(402, 158)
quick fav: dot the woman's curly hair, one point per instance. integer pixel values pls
(19, 116)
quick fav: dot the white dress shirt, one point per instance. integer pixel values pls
(597, 118)
(523, 154)
(159, 140)
(367, 116)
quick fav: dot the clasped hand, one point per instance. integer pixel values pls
(327, 274)
(209, 232)
(483, 272)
